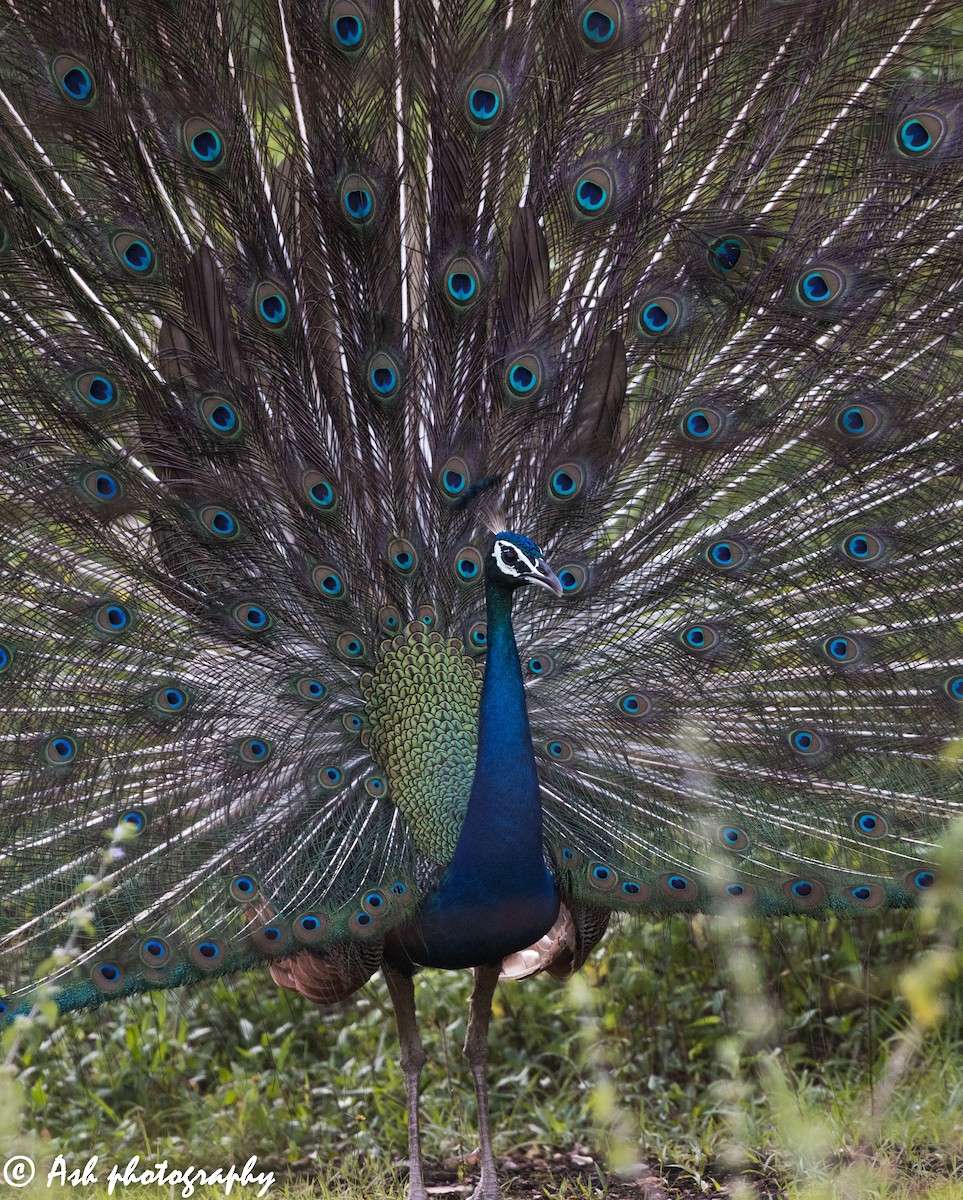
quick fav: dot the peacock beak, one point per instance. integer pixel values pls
(545, 577)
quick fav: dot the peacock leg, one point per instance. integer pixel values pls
(476, 1048)
(413, 1057)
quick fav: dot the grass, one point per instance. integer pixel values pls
(773, 1060)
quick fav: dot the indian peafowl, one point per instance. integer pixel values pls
(326, 327)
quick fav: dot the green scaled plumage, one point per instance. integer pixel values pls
(283, 285)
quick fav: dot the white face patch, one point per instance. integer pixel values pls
(511, 561)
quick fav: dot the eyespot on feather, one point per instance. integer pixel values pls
(599, 24)
(676, 887)
(384, 376)
(358, 199)
(402, 556)
(462, 282)
(523, 378)
(310, 928)
(97, 391)
(204, 143)
(658, 315)
(220, 416)
(485, 100)
(219, 522)
(252, 617)
(347, 27)
(134, 254)
(351, 647)
(602, 877)
(74, 79)
(593, 192)
(701, 424)
(271, 306)
(804, 893)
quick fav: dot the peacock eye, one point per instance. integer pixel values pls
(510, 556)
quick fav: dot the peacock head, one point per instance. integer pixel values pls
(516, 559)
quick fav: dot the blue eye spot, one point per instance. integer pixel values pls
(273, 308)
(322, 494)
(521, 379)
(479, 636)
(138, 256)
(601, 873)
(924, 879)
(568, 854)
(696, 637)
(310, 924)
(363, 918)
(727, 253)
(155, 948)
(349, 31)
(914, 136)
(374, 899)
(483, 104)
(77, 83)
(112, 618)
(384, 380)
(461, 286)
(108, 973)
(332, 584)
(223, 418)
(698, 424)
(805, 741)
(861, 893)
(678, 883)
(402, 560)
(731, 836)
(210, 950)
(252, 616)
(359, 204)
(60, 749)
(5, 658)
(100, 391)
(106, 486)
(453, 482)
(467, 568)
(331, 776)
(597, 28)
(244, 885)
(655, 318)
(841, 649)
(535, 666)
(591, 196)
(134, 820)
(399, 889)
(568, 581)
(206, 146)
(563, 484)
(815, 288)
(853, 421)
(735, 889)
(954, 687)
(802, 888)
(868, 822)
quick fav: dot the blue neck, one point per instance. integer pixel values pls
(497, 894)
(500, 845)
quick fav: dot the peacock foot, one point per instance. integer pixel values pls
(487, 1189)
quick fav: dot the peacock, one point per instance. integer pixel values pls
(469, 469)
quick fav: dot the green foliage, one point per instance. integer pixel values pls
(777, 1053)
